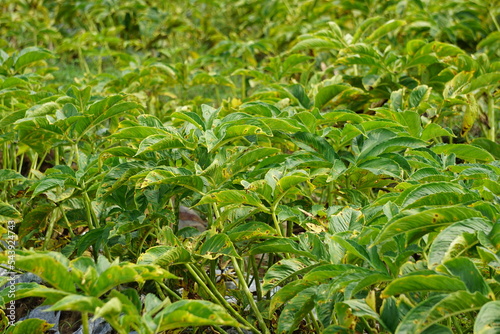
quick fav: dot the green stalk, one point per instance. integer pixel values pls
(41, 161)
(6, 163)
(367, 325)
(495, 22)
(88, 209)
(48, 234)
(210, 217)
(491, 118)
(71, 233)
(311, 10)
(277, 225)
(139, 250)
(213, 264)
(170, 292)
(216, 213)
(246, 291)
(214, 294)
(256, 277)
(458, 327)
(314, 323)
(34, 162)
(21, 162)
(243, 87)
(85, 322)
(57, 159)
(217, 96)
(83, 63)
(160, 292)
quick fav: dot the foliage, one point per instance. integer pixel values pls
(344, 156)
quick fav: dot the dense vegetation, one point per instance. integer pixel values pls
(344, 155)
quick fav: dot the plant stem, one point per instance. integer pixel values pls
(246, 291)
(314, 323)
(88, 208)
(243, 87)
(277, 225)
(491, 118)
(34, 162)
(50, 229)
(71, 233)
(85, 322)
(212, 291)
(170, 292)
(256, 276)
(458, 327)
(139, 250)
(494, 19)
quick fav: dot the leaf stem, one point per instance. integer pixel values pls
(48, 234)
(85, 322)
(246, 291)
(255, 269)
(212, 291)
(495, 22)
(491, 117)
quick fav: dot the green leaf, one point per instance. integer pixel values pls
(488, 319)
(363, 27)
(190, 117)
(488, 145)
(284, 270)
(482, 81)
(296, 309)
(232, 197)
(158, 176)
(111, 308)
(316, 43)
(438, 308)
(48, 268)
(464, 151)
(427, 283)
(10, 175)
(442, 246)
(433, 130)
(314, 143)
(26, 290)
(232, 132)
(327, 93)
(77, 303)
(383, 30)
(418, 195)
(250, 158)
(187, 313)
(389, 145)
(360, 308)
(456, 86)
(162, 142)
(218, 245)
(115, 275)
(138, 132)
(467, 271)
(418, 223)
(279, 246)
(8, 212)
(286, 293)
(165, 256)
(31, 55)
(382, 166)
(260, 109)
(32, 326)
(418, 95)
(252, 230)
